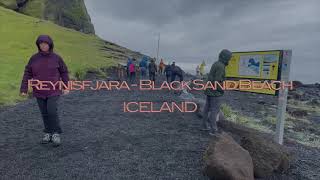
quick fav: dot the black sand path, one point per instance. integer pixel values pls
(100, 141)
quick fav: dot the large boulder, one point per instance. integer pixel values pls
(268, 157)
(225, 159)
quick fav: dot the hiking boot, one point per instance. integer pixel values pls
(205, 129)
(212, 133)
(56, 139)
(46, 138)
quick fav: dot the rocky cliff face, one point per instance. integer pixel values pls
(68, 13)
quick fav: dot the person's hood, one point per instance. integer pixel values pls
(225, 56)
(46, 39)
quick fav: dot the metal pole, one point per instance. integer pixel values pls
(158, 47)
(283, 93)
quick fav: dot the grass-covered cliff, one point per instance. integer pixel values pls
(68, 13)
(80, 51)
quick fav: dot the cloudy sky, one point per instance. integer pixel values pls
(195, 30)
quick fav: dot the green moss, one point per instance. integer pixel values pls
(300, 130)
(69, 13)
(307, 139)
(227, 111)
(34, 8)
(11, 4)
(17, 44)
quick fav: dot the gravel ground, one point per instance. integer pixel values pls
(100, 141)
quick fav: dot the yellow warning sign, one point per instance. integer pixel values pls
(256, 65)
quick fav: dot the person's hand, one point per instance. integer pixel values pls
(66, 91)
(23, 94)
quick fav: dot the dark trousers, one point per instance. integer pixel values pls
(161, 71)
(152, 76)
(132, 77)
(49, 112)
(143, 72)
(211, 111)
(168, 78)
(173, 77)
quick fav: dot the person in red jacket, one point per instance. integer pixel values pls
(46, 65)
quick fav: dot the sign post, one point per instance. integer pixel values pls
(283, 93)
(264, 66)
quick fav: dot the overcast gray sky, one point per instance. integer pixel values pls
(195, 30)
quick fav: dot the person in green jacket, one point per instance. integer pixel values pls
(213, 101)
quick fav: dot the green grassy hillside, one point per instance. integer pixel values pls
(17, 43)
(12, 4)
(67, 13)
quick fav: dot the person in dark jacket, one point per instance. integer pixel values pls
(176, 71)
(47, 66)
(213, 101)
(152, 70)
(167, 71)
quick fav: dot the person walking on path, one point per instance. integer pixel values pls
(197, 71)
(47, 66)
(152, 70)
(176, 71)
(128, 65)
(213, 99)
(202, 68)
(167, 72)
(161, 67)
(143, 67)
(132, 70)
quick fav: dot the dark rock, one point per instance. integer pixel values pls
(225, 159)
(297, 112)
(297, 84)
(295, 95)
(268, 157)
